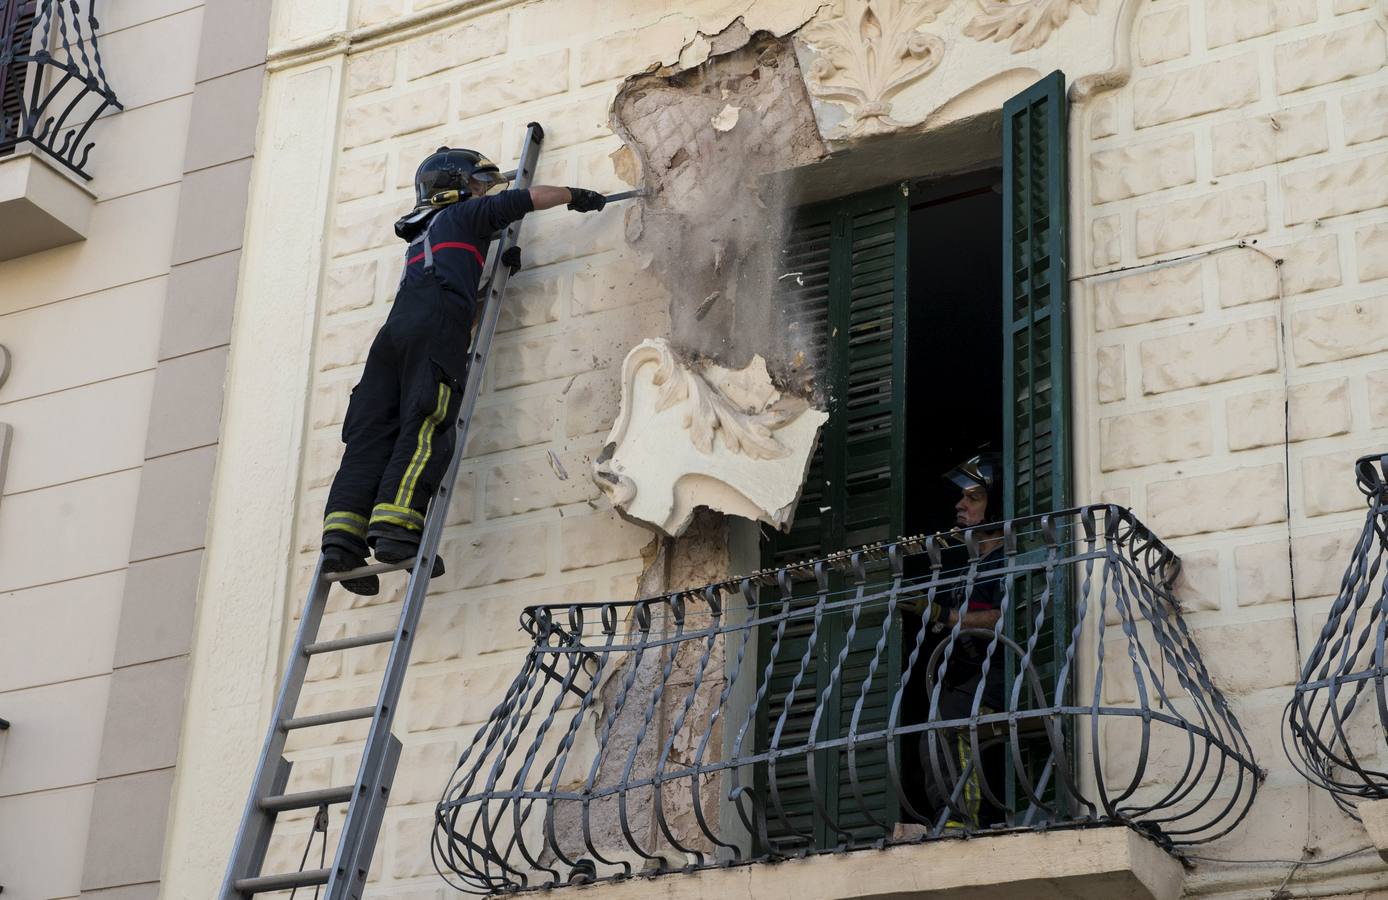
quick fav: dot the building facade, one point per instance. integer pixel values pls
(117, 288)
(1219, 245)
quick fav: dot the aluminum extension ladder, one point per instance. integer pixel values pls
(366, 797)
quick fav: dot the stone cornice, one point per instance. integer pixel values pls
(369, 37)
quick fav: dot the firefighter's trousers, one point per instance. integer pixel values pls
(400, 420)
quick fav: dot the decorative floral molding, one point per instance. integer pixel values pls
(1029, 23)
(743, 413)
(867, 56)
(690, 436)
(862, 57)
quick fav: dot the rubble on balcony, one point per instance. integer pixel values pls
(692, 435)
(707, 728)
(1336, 721)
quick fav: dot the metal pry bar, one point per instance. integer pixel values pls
(627, 195)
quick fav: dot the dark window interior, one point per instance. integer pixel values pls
(954, 361)
(954, 380)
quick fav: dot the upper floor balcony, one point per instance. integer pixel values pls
(53, 89)
(844, 703)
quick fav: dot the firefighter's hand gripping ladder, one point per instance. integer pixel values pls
(366, 797)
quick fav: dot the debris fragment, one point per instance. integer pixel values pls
(557, 466)
(789, 275)
(705, 306)
(726, 119)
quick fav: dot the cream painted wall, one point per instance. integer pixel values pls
(1241, 122)
(83, 325)
(1179, 370)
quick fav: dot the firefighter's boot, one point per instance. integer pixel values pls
(338, 557)
(399, 547)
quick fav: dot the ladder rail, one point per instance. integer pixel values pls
(369, 792)
(353, 856)
(271, 773)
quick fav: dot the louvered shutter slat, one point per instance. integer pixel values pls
(1036, 375)
(850, 296)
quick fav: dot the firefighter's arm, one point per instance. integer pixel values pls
(546, 196)
(976, 618)
(937, 614)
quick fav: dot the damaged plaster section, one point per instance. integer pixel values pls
(694, 434)
(706, 139)
(709, 418)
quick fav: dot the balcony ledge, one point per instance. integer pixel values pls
(40, 207)
(1097, 863)
(1374, 815)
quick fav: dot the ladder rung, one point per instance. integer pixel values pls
(329, 718)
(306, 799)
(375, 569)
(262, 884)
(347, 643)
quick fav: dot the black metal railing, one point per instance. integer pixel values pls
(1334, 726)
(52, 84)
(817, 708)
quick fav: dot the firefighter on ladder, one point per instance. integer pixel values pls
(399, 425)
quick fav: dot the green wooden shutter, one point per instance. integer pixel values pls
(849, 301)
(16, 31)
(1036, 350)
(1036, 367)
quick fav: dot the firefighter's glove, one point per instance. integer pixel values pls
(936, 617)
(584, 200)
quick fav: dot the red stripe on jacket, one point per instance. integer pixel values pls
(450, 245)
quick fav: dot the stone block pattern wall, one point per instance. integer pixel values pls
(1223, 391)
(527, 524)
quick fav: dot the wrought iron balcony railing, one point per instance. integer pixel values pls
(52, 84)
(1334, 726)
(817, 708)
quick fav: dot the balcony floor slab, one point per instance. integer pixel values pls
(1069, 864)
(40, 207)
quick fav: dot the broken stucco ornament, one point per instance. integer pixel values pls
(691, 435)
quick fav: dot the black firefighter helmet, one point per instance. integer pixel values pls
(982, 470)
(448, 169)
(446, 176)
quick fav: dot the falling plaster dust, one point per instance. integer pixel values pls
(706, 139)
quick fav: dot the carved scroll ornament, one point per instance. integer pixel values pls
(689, 435)
(876, 49)
(1029, 23)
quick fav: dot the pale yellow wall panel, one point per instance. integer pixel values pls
(140, 149)
(67, 531)
(121, 14)
(128, 240)
(74, 342)
(58, 631)
(78, 433)
(58, 735)
(47, 831)
(155, 60)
